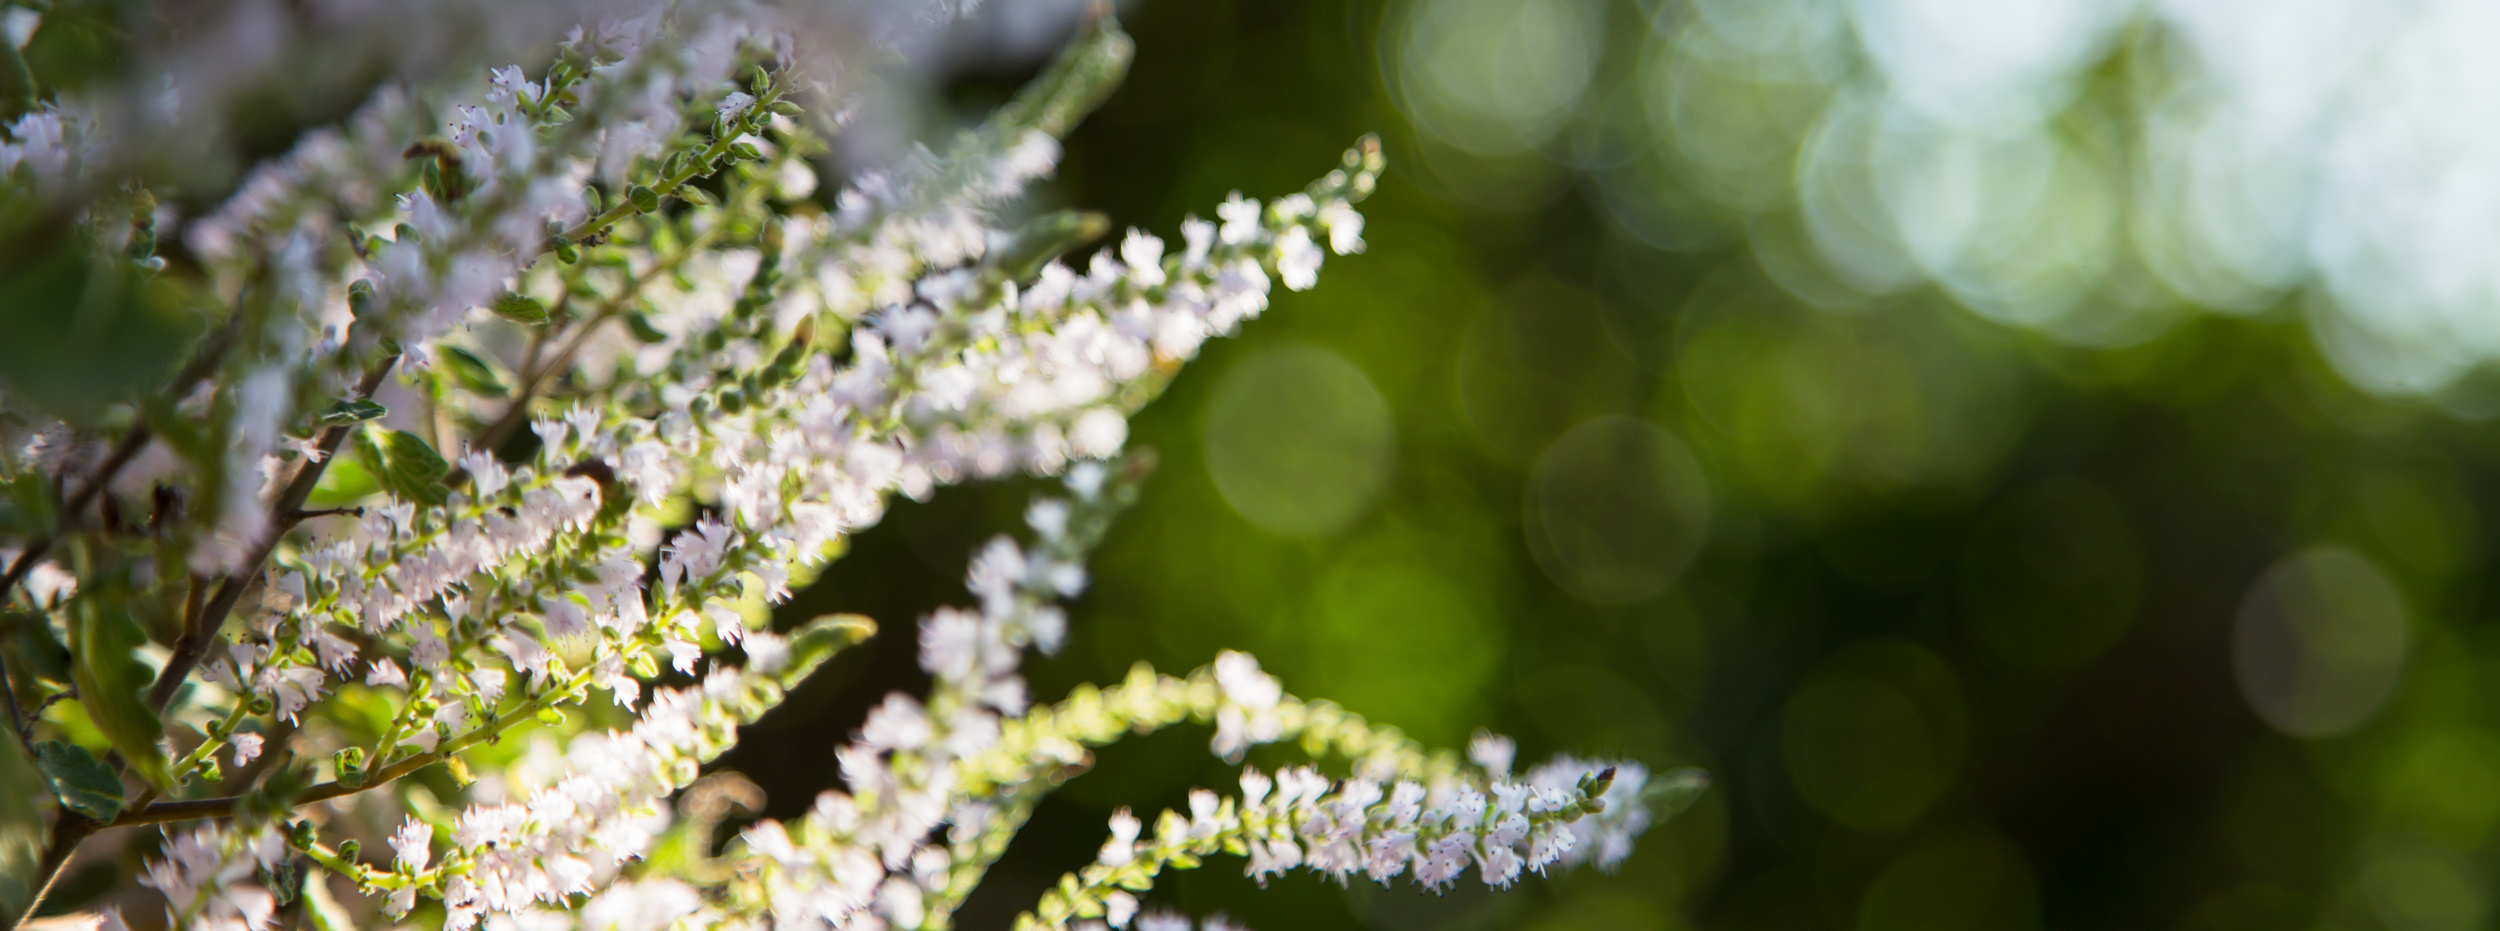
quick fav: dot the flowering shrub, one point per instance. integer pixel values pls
(323, 572)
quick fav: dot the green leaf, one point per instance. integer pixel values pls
(640, 325)
(695, 195)
(352, 410)
(520, 308)
(83, 783)
(111, 680)
(1047, 237)
(745, 152)
(644, 199)
(404, 464)
(81, 329)
(816, 641)
(324, 910)
(1673, 792)
(21, 825)
(343, 483)
(474, 372)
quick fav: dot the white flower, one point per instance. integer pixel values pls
(1143, 254)
(899, 901)
(1493, 752)
(508, 85)
(1297, 258)
(413, 844)
(897, 724)
(1122, 847)
(1099, 433)
(1118, 907)
(1345, 227)
(1241, 219)
(246, 747)
(766, 652)
(1244, 683)
(736, 103)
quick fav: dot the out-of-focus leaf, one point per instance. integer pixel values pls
(112, 683)
(21, 824)
(474, 372)
(84, 329)
(520, 308)
(37, 650)
(25, 504)
(640, 325)
(403, 464)
(815, 642)
(343, 483)
(324, 909)
(1047, 237)
(352, 410)
(83, 783)
(1672, 792)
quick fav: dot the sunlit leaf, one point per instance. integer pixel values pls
(404, 464)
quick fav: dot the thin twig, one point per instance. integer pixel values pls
(288, 510)
(202, 364)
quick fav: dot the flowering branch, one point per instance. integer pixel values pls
(785, 364)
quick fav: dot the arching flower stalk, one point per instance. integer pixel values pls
(358, 566)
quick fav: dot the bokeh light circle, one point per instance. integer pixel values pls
(1298, 441)
(1615, 510)
(2320, 642)
(1875, 735)
(1496, 77)
(1970, 880)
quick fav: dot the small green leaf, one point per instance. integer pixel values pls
(360, 298)
(474, 372)
(112, 682)
(1047, 237)
(1673, 792)
(644, 199)
(404, 464)
(83, 783)
(640, 324)
(352, 410)
(745, 152)
(519, 308)
(86, 328)
(815, 642)
(695, 195)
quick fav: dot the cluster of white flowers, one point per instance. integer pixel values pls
(1396, 813)
(722, 377)
(205, 878)
(1171, 921)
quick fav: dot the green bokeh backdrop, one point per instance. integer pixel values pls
(1948, 606)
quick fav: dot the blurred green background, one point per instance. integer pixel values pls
(2031, 453)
